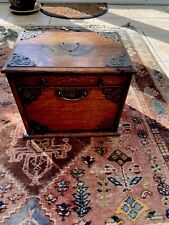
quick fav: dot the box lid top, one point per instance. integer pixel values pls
(37, 50)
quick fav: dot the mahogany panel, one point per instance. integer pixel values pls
(93, 112)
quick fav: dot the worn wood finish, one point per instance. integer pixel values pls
(68, 50)
(69, 83)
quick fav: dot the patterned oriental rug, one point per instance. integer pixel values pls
(99, 181)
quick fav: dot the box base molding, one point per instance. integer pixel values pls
(70, 134)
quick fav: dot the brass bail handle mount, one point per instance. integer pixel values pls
(70, 47)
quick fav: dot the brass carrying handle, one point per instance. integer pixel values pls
(70, 47)
(43, 82)
(71, 94)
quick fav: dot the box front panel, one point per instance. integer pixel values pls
(54, 109)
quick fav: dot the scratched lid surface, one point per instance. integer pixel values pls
(59, 49)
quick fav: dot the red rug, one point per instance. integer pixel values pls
(80, 181)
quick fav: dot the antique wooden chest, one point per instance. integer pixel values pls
(69, 83)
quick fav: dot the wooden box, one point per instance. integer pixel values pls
(69, 83)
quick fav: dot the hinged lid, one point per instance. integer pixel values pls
(59, 49)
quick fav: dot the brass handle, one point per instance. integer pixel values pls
(100, 83)
(70, 47)
(71, 94)
(43, 82)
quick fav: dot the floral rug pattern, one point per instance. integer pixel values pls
(99, 181)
